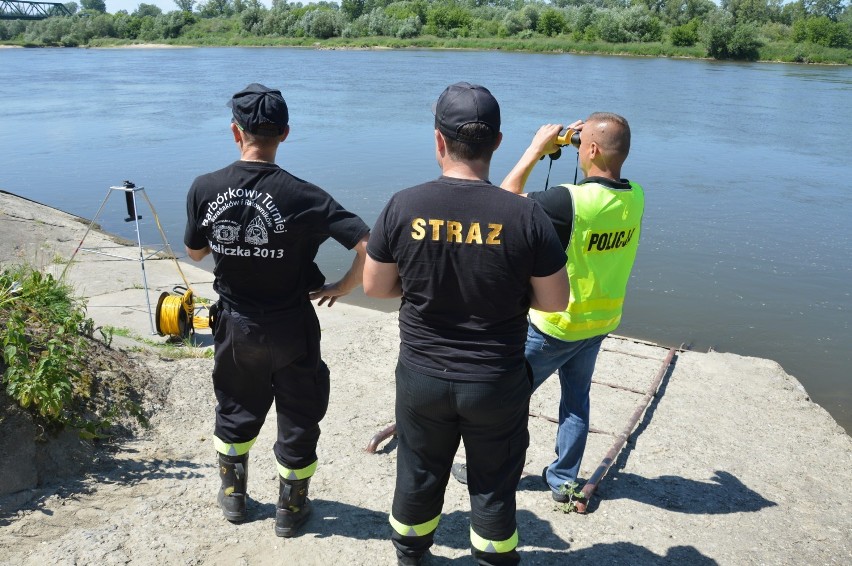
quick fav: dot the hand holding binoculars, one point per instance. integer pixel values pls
(570, 137)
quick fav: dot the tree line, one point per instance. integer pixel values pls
(801, 30)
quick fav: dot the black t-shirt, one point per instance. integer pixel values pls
(465, 251)
(559, 206)
(264, 227)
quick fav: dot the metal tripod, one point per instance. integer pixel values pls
(130, 191)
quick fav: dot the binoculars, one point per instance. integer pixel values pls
(570, 137)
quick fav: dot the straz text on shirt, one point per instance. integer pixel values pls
(453, 231)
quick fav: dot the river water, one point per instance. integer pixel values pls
(746, 245)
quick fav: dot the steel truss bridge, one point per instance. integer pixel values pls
(18, 10)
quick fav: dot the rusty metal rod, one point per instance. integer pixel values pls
(545, 417)
(553, 420)
(621, 387)
(623, 353)
(380, 436)
(607, 461)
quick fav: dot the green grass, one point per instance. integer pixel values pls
(118, 331)
(789, 52)
(178, 349)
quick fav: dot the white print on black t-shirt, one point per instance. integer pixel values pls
(262, 202)
(247, 252)
(256, 233)
(226, 231)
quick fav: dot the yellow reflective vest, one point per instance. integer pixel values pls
(603, 244)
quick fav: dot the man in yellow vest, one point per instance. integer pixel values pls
(598, 222)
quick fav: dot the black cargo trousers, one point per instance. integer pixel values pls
(261, 357)
(432, 415)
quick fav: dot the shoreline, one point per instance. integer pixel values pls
(143, 46)
(321, 45)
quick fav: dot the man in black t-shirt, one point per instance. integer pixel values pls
(468, 259)
(264, 227)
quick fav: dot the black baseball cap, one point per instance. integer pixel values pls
(463, 103)
(260, 110)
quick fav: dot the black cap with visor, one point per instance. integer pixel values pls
(260, 110)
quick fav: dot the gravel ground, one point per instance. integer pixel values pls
(731, 463)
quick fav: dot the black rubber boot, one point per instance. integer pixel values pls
(294, 507)
(233, 470)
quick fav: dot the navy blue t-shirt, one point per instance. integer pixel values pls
(465, 251)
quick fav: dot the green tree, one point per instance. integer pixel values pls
(531, 13)
(280, 21)
(514, 22)
(715, 32)
(747, 10)
(95, 5)
(147, 10)
(744, 43)
(251, 19)
(409, 27)
(407, 8)
(828, 8)
(11, 29)
(793, 11)
(685, 35)
(726, 39)
(658, 6)
(640, 24)
(321, 23)
(216, 8)
(683, 11)
(168, 26)
(129, 27)
(443, 19)
(775, 11)
(822, 31)
(99, 26)
(551, 22)
(53, 31)
(185, 5)
(72, 7)
(610, 28)
(352, 8)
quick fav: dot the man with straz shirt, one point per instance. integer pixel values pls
(598, 221)
(468, 260)
(264, 227)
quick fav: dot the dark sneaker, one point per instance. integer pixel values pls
(562, 496)
(459, 472)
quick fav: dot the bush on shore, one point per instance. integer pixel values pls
(51, 364)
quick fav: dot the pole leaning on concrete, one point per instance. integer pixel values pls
(621, 439)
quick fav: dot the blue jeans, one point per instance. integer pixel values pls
(576, 364)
